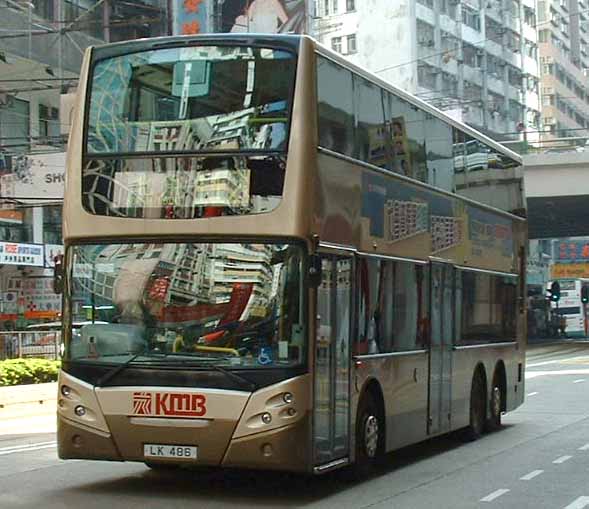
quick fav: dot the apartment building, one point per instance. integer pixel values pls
(563, 40)
(475, 59)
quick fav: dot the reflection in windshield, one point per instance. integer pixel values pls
(202, 98)
(229, 304)
(183, 187)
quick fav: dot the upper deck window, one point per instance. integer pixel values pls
(195, 99)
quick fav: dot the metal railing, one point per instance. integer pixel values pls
(554, 145)
(30, 344)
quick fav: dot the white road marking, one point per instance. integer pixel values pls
(580, 503)
(584, 447)
(496, 494)
(557, 361)
(562, 459)
(27, 447)
(535, 374)
(579, 381)
(532, 393)
(531, 475)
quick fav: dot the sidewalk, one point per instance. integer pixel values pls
(33, 394)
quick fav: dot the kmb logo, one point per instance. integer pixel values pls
(169, 404)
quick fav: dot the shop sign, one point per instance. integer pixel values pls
(570, 270)
(39, 176)
(51, 251)
(35, 297)
(21, 254)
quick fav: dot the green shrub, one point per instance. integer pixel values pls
(28, 371)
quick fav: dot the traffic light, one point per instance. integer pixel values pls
(554, 292)
(585, 294)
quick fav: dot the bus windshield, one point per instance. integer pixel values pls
(202, 304)
(191, 99)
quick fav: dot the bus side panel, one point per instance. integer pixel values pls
(404, 384)
(464, 364)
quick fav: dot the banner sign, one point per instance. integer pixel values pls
(571, 251)
(263, 16)
(12, 253)
(569, 270)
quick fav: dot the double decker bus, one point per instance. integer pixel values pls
(571, 307)
(279, 269)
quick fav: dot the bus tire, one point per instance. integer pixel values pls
(369, 435)
(495, 405)
(478, 404)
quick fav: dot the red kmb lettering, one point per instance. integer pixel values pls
(180, 405)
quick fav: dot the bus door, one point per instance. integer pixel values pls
(331, 428)
(441, 340)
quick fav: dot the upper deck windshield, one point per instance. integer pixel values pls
(201, 305)
(191, 99)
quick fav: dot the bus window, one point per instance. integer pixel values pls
(488, 307)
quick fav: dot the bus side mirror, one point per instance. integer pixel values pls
(58, 274)
(315, 271)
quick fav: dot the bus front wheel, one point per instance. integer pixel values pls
(369, 434)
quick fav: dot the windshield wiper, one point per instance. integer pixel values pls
(252, 386)
(109, 375)
(241, 379)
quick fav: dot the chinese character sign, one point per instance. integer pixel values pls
(572, 251)
(191, 17)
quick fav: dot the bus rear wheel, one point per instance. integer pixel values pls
(495, 408)
(369, 435)
(478, 404)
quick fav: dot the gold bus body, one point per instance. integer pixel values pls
(319, 185)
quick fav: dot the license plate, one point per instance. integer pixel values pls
(170, 451)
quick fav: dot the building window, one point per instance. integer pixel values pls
(14, 125)
(336, 44)
(352, 43)
(49, 123)
(350, 5)
(52, 225)
(326, 7)
(335, 6)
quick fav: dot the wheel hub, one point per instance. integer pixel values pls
(371, 436)
(496, 401)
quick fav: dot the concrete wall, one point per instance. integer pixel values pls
(557, 174)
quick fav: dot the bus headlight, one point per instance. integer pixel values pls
(80, 411)
(266, 418)
(288, 397)
(65, 391)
